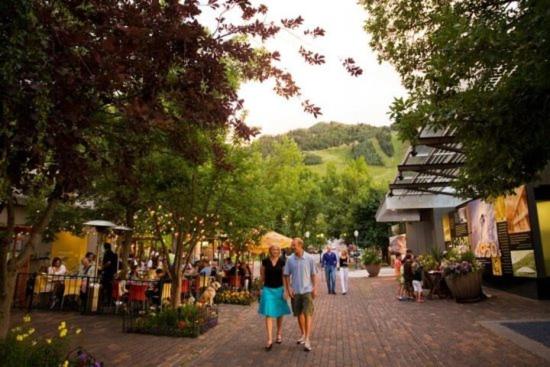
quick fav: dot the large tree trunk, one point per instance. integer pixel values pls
(6, 299)
(8, 269)
(175, 292)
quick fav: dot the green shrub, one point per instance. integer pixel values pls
(371, 256)
(311, 159)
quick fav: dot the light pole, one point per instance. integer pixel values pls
(307, 235)
(356, 234)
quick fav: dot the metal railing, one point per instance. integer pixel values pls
(96, 295)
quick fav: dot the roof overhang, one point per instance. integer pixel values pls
(425, 178)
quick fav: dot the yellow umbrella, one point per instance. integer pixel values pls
(269, 239)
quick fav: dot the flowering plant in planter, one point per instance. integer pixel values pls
(189, 320)
(463, 275)
(459, 262)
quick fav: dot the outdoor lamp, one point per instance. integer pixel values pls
(101, 226)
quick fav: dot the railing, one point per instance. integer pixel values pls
(96, 295)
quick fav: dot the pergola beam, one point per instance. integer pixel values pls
(435, 140)
(419, 185)
(428, 167)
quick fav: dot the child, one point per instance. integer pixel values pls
(408, 276)
(417, 280)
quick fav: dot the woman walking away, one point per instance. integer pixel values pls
(273, 304)
(343, 265)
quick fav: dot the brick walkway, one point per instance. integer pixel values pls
(368, 327)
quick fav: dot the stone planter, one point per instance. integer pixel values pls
(373, 269)
(465, 288)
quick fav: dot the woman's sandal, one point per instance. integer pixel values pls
(279, 339)
(268, 347)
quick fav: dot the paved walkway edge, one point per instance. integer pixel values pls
(526, 343)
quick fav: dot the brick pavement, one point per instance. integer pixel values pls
(367, 327)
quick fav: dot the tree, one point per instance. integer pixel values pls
(342, 193)
(71, 72)
(479, 69)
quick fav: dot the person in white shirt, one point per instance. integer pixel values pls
(56, 271)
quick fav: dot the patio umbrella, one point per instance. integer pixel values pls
(269, 239)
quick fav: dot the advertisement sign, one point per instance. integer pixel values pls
(398, 244)
(501, 231)
(483, 229)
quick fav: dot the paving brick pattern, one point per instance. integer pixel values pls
(367, 327)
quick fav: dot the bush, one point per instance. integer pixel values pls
(371, 257)
(189, 320)
(311, 159)
(235, 297)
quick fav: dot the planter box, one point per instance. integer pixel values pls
(465, 288)
(137, 322)
(373, 269)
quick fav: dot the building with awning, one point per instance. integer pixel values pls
(509, 234)
(421, 193)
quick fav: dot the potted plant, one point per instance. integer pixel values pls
(463, 275)
(372, 261)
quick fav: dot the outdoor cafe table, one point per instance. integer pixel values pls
(438, 285)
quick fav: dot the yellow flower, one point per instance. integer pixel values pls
(31, 331)
(63, 325)
(78, 331)
(19, 338)
(66, 363)
(34, 342)
(49, 341)
(63, 333)
(27, 318)
(25, 336)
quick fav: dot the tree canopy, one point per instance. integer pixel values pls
(479, 69)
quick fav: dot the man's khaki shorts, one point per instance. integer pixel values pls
(302, 304)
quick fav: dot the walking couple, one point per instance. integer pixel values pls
(294, 279)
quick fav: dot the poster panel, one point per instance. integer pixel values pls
(398, 244)
(523, 263)
(446, 228)
(517, 212)
(483, 229)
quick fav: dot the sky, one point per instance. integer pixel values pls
(342, 98)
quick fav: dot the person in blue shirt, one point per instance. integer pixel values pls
(329, 262)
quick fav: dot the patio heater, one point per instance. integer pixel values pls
(120, 230)
(101, 227)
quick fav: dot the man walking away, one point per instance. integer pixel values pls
(329, 262)
(299, 280)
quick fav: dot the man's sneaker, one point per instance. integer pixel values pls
(302, 340)
(307, 346)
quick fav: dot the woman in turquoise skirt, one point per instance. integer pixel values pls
(273, 301)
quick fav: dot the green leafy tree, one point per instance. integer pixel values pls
(366, 150)
(478, 69)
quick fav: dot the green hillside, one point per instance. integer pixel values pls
(381, 175)
(337, 143)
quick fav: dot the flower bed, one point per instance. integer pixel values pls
(190, 320)
(235, 297)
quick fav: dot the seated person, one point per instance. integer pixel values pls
(155, 293)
